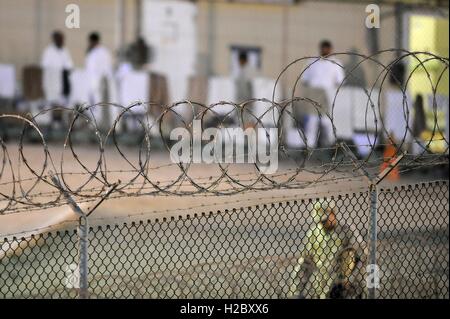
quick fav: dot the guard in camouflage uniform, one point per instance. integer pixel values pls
(332, 264)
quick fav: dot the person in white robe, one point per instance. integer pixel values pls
(243, 80)
(98, 67)
(325, 74)
(99, 71)
(56, 62)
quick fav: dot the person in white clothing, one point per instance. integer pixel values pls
(325, 74)
(243, 80)
(56, 64)
(99, 67)
(99, 70)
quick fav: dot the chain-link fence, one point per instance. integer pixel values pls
(311, 248)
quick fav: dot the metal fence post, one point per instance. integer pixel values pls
(373, 181)
(373, 236)
(83, 235)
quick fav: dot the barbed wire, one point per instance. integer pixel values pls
(137, 216)
(148, 190)
(27, 186)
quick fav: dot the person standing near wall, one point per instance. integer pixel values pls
(99, 69)
(244, 90)
(324, 74)
(56, 64)
(243, 83)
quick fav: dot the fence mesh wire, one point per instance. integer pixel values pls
(283, 250)
(413, 245)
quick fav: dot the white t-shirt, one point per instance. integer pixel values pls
(324, 74)
(58, 58)
(54, 61)
(98, 66)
